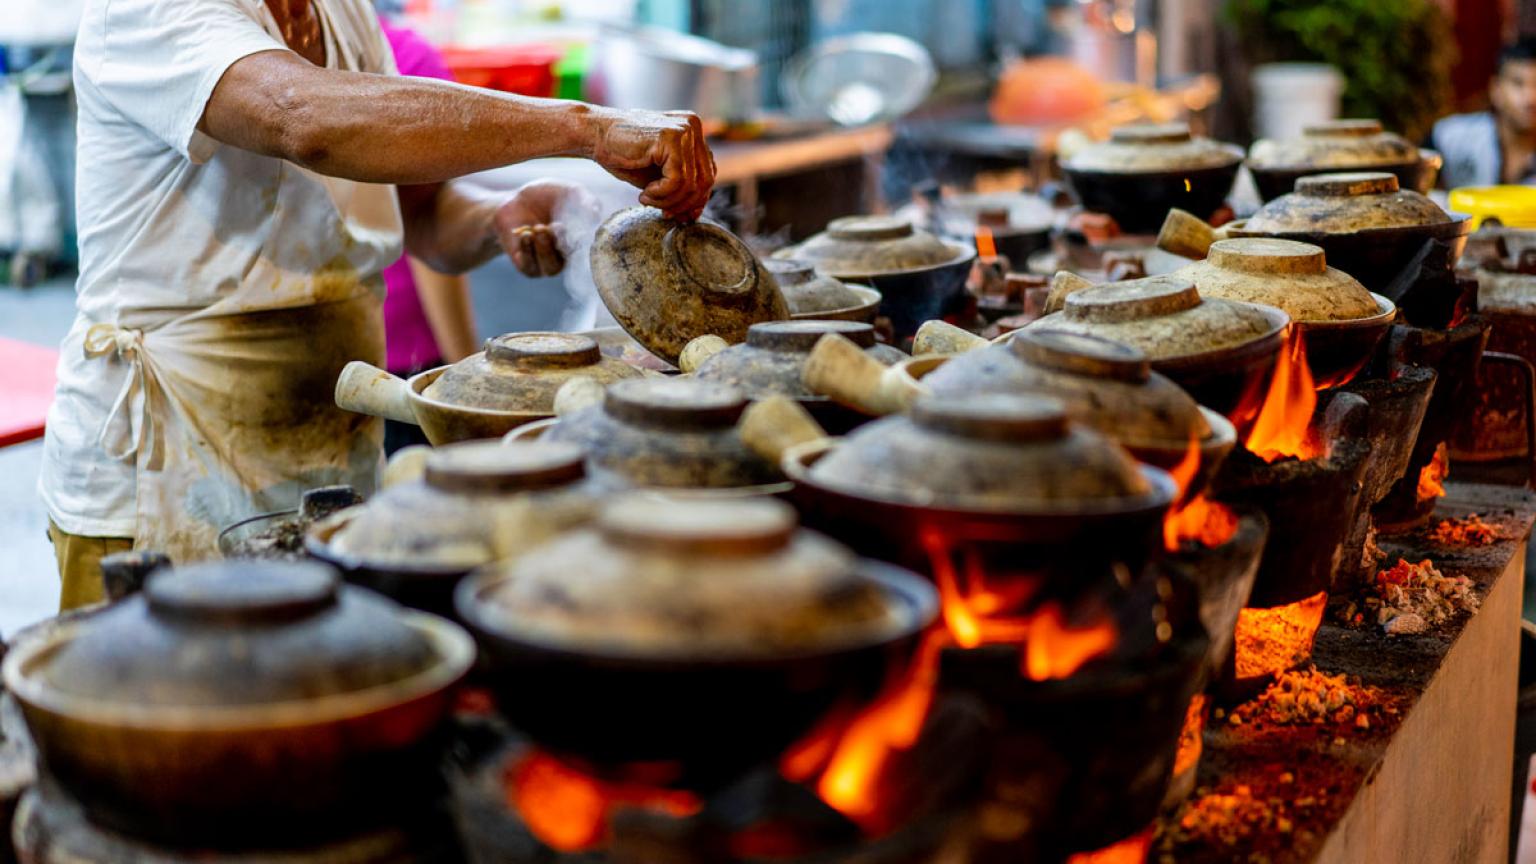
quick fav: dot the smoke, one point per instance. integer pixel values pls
(579, 215)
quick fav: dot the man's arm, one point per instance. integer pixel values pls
(409, 131)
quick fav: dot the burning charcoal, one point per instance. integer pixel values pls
(1470, 531)
(320, 503)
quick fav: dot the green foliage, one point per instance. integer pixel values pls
(1396, 55)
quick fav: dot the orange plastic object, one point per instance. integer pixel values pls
(1046, 90)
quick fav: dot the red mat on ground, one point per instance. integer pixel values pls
(26, 390)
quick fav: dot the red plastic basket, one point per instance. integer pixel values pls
(524, 69)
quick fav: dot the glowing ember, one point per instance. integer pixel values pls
(568, 810)
(1191, 737)
(1131, 850)
(1432, 478)
(1307, 697)
(1471, 531)
(986, 247)
(1281, 427)
(1269, 641)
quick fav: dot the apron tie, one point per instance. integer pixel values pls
(123, 433)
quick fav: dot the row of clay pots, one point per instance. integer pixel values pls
(1142, 171)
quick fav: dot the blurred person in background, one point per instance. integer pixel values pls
(1497, 146)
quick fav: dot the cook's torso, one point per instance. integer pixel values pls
(163, 237)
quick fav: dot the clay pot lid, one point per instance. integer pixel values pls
(680, 578)
(1345, 203)
(238, 633)
(675, 403)
(862, 246)
(494, 467)
(1286, 274)
(667, 283)
(1081, 354)
(1106, 385)
(1013, 452)
(520, 372)
(1162, 316)
(1334, 144)
(799, 337)
(1153, 147)
(807, 291)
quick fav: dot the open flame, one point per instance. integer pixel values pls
(569, 810)
(846, 756)
(1199, 519)
(1131, 850)
(1432, 478)
(1270, 641)
(986, 246)
(1280, 429)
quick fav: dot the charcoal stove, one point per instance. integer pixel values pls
(1455, 355)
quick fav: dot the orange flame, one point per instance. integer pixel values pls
(986, 247)
(1131, 850)
(852, 753)
(1269, 641)
(847, 757)
(1198, 519)
(1432, 478)
(568, 809)
(1191, 741)
(1281, 427)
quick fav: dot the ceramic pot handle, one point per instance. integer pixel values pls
(578, 393)
(367, 389)
(1186, 234)
(841, 370)
(770, 427)
(408, 464)
(942, 337)
(1063, 285)
(698, 350)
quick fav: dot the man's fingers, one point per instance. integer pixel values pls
(550, 261)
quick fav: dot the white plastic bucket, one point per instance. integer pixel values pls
(1290, 96)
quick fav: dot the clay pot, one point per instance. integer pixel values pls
(1337, 146)
(1104, 385)
(1340, 322)
(512, 382)
(241, 702)
(986, 452)
(671, 433)
(1221, 351)
(813, 295)
(475, 503)
(667, 283)
(1006, 479)
(1343, 203)
(1144, 171)
(919, 276)
(683, 618)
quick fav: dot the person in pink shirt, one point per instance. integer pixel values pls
(428, 320)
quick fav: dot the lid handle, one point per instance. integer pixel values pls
(713, 260)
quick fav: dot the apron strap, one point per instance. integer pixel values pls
(125, 433)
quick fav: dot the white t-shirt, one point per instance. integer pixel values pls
(171, 221)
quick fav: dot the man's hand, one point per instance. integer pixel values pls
(665, 155)
(533, 224)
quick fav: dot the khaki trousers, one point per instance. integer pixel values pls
(80, 565)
